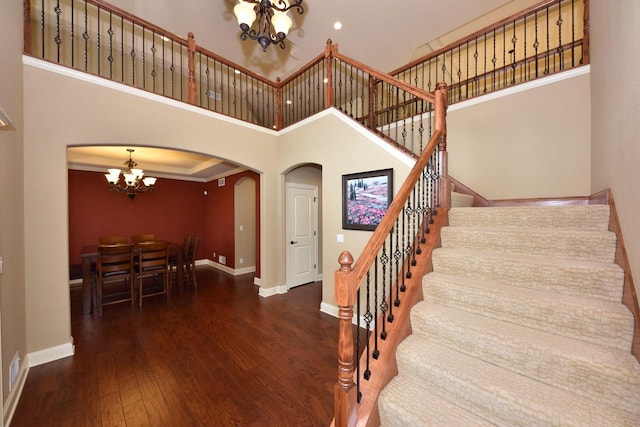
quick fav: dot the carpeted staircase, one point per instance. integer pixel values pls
(521, 325)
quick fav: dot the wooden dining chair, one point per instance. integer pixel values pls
(153, 261)
(114, 266)
(112, 240)
(189, 248)
(139, 238)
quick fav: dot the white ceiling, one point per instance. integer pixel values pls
(158, 162)
(383, 35)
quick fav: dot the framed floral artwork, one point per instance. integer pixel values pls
(365, 198)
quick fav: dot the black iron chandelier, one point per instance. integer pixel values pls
(272, 23)
(131, 181)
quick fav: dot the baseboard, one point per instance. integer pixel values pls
(50, 354)
(13, 398)
(227, 269)
(330, 309)
(274, 290)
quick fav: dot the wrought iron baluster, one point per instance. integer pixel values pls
(98, 41)
(410, 211)
(122, 49)
(57, 39)
(110, 57)
(358, 343)
(181, 73)
(559, 23)
(368, 317)
(42, 27)
(73, 35)
(154, 68)
(85, 35)
(547, 60)
(384, 259)
(514, 39)
(172, 69)
(144, 71)
(397, 255)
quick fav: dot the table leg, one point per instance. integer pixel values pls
(179, 269)
(86, 285)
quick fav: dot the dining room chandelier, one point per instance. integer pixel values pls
(272, 22)
(131, 181)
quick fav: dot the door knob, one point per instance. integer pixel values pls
(293, 242)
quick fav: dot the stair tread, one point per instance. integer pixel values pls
(499, 394)
(571, 216)
(596, 245)
(562, 314)
(396, 409)
(591, 369)
(595, 279)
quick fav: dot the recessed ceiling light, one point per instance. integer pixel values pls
(165, 38)
(237, 71)
(337, 25)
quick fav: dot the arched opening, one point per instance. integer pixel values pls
(187, 199)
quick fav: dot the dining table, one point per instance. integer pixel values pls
(89, 256)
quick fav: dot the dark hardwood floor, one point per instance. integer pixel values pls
(220, 355)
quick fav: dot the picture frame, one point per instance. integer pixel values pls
(366, 196)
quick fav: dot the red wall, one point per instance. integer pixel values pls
(171, 211)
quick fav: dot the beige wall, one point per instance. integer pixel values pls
(615, 100)
(341, 147)
(533, 143)
(244, 201)
(12, 279)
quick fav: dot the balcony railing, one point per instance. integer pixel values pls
(98, 38)
(547, 38)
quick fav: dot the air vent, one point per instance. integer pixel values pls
(214, 95)
(14, 367)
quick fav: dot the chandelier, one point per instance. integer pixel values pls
(131, 181)
(272, 24)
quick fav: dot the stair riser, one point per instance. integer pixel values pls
(603, 281)
(569, 372)
(613, 329)
(594, 217)
(594, 246)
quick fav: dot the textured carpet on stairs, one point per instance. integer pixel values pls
(521, 324)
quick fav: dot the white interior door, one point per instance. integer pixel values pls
(302, 239)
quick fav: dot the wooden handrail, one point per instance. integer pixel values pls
(379, 75)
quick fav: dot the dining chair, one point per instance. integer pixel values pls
(111, 240)
(139, 238)
(114, 265)
(189, 248)
(153, 261)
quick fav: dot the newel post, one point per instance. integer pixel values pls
(441, 123)
(328, 66)
(345, 393)
(192, 69)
